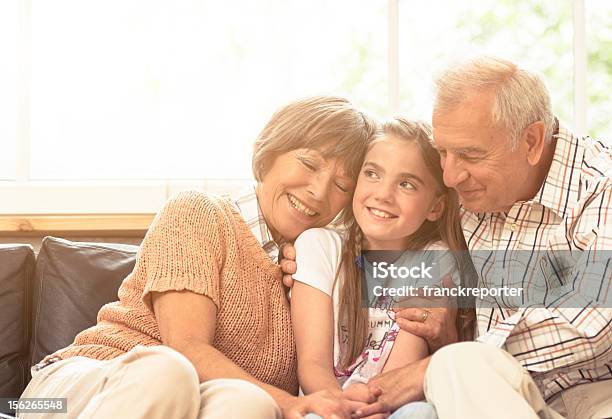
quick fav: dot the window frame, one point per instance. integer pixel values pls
(25, 196)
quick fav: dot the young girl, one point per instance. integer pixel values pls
(400, 203)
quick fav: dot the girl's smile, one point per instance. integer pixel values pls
(395, 194)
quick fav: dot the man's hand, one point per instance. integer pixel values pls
(400, 386)
(287, 264)
(359, 396)
(438, 329)
(322, 403)
(431, 318)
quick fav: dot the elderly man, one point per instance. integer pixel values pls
(525, 184)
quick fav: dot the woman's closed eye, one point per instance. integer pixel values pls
(344, 188)
(309, 164)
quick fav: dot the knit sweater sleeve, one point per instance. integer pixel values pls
(184, 248)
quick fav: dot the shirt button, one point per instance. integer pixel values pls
(513, 226)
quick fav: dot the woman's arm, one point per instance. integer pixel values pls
(312, 317)
(187, 324)
(182, 254)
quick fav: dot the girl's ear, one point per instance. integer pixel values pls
(437, 208)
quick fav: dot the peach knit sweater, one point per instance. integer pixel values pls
(201, 243)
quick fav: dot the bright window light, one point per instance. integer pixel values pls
(8, 88)
(599, 67)
(536, 34)
(155, 89)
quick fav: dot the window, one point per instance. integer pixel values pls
(112, 106)
(179, 90)
(9, 71)
(534, 33)
(599, 67)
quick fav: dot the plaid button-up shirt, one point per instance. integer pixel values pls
(248, 206)
(561, 347)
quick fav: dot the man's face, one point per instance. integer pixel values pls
(477, 158)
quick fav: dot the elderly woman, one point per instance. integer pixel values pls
(202, 326)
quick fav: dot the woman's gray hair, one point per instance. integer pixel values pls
(521, 97)
(330, 124)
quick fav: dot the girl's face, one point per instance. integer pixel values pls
(395, 194)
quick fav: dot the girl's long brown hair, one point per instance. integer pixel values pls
(353, 314)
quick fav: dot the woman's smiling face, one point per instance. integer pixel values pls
(395, 194)
(302, 189)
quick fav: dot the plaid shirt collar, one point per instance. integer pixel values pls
(560, 190)
(248, 206)
(556, 193)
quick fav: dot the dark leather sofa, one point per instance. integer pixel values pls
(46, 299)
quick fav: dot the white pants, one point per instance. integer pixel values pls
(147, 382)
(475, 380)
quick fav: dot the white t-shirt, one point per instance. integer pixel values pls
(318, 255)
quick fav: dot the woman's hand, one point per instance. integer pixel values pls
(323, 403)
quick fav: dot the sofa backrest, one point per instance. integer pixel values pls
(72, 281)
(45, 301)
(16, 273)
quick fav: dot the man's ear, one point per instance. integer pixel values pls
(437, 209)
(534, 141)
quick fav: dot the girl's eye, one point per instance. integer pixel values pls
(407, 185)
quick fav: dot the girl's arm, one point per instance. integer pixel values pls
(407, 348)
(410, 347)
(312, 317)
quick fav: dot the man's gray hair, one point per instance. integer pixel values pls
(521, 97)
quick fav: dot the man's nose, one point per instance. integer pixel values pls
(453, 172)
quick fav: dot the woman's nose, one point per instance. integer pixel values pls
(319, 185)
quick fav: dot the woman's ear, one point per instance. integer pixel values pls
(437, 208)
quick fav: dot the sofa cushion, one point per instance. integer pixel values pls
(72, 281)
(16, 269)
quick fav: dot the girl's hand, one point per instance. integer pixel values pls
(323, 403)
(358, 396)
